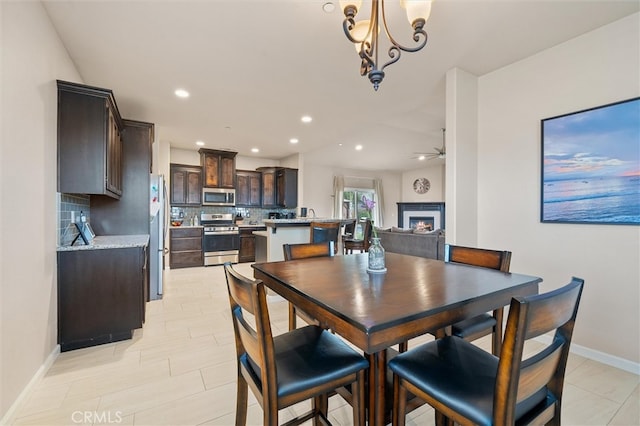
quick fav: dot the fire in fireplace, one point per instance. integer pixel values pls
(422, 223)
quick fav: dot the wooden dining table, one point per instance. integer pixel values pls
(374, 311)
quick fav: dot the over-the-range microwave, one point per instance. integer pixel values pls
(218, 197)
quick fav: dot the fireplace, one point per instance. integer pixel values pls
(414, 215)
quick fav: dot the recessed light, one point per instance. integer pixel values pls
(199, 143)
(181, 93)
(306, 119)
(293, 140)
(358, 147)
(254, 150)
(422, 157)
(328, 7)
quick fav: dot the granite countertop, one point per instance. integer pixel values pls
(302, 221)
(186, 226)
(109, 242)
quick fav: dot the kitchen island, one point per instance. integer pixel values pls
(285, 231)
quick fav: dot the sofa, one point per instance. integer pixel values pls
(407, 241)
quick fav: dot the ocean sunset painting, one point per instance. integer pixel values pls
(591, 165)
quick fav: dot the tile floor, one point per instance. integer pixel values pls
(180, 370)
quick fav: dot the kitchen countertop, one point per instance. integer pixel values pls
(302, 221)
(110, 242)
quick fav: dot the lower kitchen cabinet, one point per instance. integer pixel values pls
(185, 247)
(248, 244)
(101, 295)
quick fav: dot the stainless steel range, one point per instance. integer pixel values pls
(221, 241)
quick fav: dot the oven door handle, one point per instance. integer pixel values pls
(223, 233)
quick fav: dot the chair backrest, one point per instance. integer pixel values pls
(519, 379)
(350, 228)
(307, 250)
(364, 233)
(368, 229)
(253, 345)
(494, 259)
(324, 231)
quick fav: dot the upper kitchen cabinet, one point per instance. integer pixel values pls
(128, 215)
(279, 187)
(287, 187)
(248, 188)
(268, 186)
(185, 185)
(219, 168)
(89, 141)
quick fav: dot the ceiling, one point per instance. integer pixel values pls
(254, 67)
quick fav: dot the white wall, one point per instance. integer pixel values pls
(184, 156)
(462, 158)
(595, 69)
(252, 163)
(318, 189)
(32, 59)
(436, 176)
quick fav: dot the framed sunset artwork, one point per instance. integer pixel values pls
(591, 165)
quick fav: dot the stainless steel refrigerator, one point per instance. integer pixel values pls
(157, 234)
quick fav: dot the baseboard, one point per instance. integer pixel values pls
(8, 419)
(608, 359)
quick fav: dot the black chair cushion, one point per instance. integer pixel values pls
(307, 357)
(460, 375)
(473, 325)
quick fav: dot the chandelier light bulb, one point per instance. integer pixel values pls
(361, 33)
(416, 9)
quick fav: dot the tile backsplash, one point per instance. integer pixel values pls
(68, 203)
(255, 214)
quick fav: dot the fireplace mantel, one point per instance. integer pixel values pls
(420, 207)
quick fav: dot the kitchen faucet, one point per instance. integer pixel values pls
(313, 212)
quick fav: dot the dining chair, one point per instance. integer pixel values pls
(325, 231)
(304, 251)
(361, 244)
(470, 386)
(484, 324)
(481, 325)
(307, 363)
(350, 228)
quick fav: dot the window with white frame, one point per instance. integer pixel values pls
(354, 203)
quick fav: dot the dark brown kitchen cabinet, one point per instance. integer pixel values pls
(248, 188)
(219, 168)
(185, 185)
(287, 187)
(185, 247)
(101, 295)
(128, 215)
(268, 186)
(279, 187)
(248, 243)
(89, 141)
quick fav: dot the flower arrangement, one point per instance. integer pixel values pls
(369, 205)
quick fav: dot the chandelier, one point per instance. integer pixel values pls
(364, 34)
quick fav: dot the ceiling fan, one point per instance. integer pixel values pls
(439, 152)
